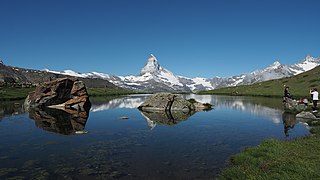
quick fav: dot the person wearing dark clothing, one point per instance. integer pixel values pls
(286, 92)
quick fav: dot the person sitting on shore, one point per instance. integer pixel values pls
(286, 94)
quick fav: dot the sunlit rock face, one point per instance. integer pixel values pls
(61, 106)
(166, 102)
(172, 102)
(63, 93)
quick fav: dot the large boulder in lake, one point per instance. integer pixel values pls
(62, 93)
(171, 102)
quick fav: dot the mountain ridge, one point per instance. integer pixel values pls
(11, 74)
(299, 86)
(153, 77)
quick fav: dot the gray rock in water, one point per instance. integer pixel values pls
(306, 115)
(166, 102)
(293, 105)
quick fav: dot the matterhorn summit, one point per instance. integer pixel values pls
(152, 66)
(154, 78)
(275, 64)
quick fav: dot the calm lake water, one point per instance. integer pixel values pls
(102, 145)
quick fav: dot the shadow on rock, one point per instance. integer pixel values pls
(65, 122)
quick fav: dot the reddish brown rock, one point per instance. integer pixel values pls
(60, 93)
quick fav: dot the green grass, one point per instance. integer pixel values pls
(275, 159)
(299, 86)
(7, 94)
(14, 93)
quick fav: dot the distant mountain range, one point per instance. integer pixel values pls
(155, 78)
(10, 74)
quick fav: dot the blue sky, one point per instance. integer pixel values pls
(193, 38)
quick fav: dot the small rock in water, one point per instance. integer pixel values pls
(123, 117)
(116, 174)
(81, 132)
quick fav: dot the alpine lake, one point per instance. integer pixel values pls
(114, 140)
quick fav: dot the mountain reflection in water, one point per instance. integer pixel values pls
(269, 108)
(165, 117)
(182, 146)
(69, 122)
(246, 104)
(10, 108)
(130, 102)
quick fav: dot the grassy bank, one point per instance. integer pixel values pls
(299, 86)
(274, 159)
(7, 94)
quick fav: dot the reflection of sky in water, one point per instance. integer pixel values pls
(241, 104)
(192, 148)
(130, 102)
(236, 103)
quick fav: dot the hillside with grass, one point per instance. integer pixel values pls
(299, 86)
(16, 83)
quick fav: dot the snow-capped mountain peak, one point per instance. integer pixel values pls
(154, 78)
(307, 64)
(309, 58)
(274, 65)
(152, 66)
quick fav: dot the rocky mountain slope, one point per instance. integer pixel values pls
(299, 86)
(155, 78)
(20, 75)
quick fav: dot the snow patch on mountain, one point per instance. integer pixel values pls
(153, 77)
(152, 66)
